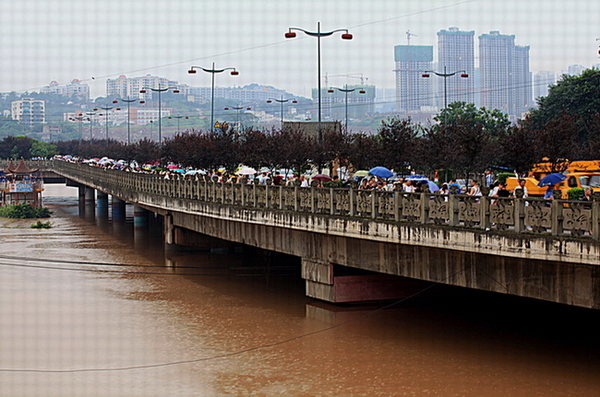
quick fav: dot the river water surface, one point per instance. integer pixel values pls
(86, 309)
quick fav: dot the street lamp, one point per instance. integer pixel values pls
(445, 75)
(178, 117)
(282, 101)
(212, 71)
(318, 34)
(237, 109)
(128, 102)
(346, 91)
(91, 118)
(160, 91)
(106, 109)
(80, 120)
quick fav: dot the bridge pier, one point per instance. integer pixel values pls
(140, 217)
(118, 209)
(336, 284)
(102, 205)
(87, 202)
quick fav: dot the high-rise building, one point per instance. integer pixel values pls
(74, 88)
(412, 91)
(456, 54)
(575, 70)
(504, 73)
(28, 111)
(541, 82)
(523, 90)
(125, 87)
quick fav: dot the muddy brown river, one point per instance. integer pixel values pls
(88, 308)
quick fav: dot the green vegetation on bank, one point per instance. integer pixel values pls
(23, 211)
(42, 225)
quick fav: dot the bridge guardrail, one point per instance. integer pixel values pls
(530, 216)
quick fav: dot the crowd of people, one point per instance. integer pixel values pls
(406, 185)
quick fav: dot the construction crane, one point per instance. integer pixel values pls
(352, 75)
(408, 34)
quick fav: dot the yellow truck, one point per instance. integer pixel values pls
(579, 174)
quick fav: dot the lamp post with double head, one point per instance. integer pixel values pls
(237, 110)
(445, 75)
(106, 109)
(212, 71)
(347, 90)
(281, 102)
(79, 119)
(91, 118)
(178, 117)
(318, 34)
(160, 91)
(128, 101)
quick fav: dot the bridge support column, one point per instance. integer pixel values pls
(141, 226)
(322, 283)
(118, 209)
(102, 205)
(81, 194)
(86, 202)
(140, 217)
(90, 197)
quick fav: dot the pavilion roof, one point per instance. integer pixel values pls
(21, 168)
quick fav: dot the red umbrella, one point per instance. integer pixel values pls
(322, 178)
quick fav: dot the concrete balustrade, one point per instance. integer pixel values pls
(527, 216)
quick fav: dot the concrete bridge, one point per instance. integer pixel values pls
(369, 245)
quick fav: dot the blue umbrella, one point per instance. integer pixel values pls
(416, 177)
(433, 187)
(551, 179)
(381, 172)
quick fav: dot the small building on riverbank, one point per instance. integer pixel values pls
(21, 184)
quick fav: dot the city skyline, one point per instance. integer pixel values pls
(65, 40)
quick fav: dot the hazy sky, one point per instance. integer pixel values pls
(45, 40)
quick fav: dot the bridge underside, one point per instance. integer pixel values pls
(568, 283)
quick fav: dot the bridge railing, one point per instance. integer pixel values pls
(531, 215)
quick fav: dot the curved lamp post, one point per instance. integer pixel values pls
(318, 34)
(445, 75)
(128, 102)
(282, 101)
(160, 91)
(178, 117)
(237, 109)
(80, 120)
(212, 71)
(106, 109)
(346, 91)
(91, 118)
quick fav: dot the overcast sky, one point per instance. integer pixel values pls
(45, 40)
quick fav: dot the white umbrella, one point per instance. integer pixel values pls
(247, 171)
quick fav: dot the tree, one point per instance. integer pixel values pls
(398, 139)
(15, 147)
(516, 148)
(365, 151)
(42, 149)
(492, 121)
(556, 142)
(577, 96)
